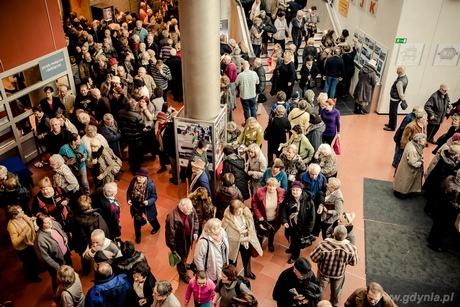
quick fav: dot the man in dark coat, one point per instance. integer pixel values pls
(175, 66)
(335, 71)
(57, 137)
(169, 147)
(234, 164)
(436, 107)
(301, 278)
(131, 124)
(104, 199)
(181, 230)
(397, 95)
(101, 104)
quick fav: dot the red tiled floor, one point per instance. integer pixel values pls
(367, 152)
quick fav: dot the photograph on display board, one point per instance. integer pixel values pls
(188, 136)
(447, 55)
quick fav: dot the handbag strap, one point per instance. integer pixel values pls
(299, 115)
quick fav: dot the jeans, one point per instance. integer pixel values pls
(232, 91)
(297, 40)
(249, 107)
(336, 284)
(208, 304)
(256, 49)
(84, 180)
(330, 86)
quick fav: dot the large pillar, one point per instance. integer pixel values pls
(199, 27)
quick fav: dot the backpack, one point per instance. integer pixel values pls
(118, 163)
(239, 280)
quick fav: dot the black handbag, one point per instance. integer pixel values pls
(267, 130)
(139, 219)
(263, 228)
(261, 98)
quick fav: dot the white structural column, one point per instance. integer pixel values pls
(200, 31)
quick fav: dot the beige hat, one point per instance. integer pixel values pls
(198, 164)
(373, 63)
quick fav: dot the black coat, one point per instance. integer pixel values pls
(131, 125)
(235, 165)
(288, 280)
(279, 127)
(57, 104)
(306, 217)
(99, 201)
(83, 225)
(169, 144)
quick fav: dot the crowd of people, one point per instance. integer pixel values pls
(123, 71)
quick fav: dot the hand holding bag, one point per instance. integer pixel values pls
(337, 148)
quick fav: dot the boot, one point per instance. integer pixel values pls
(357, 109)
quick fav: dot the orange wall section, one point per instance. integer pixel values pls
(29, 31)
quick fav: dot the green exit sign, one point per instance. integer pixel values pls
(400, 40)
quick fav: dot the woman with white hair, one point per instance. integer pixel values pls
(64, 178)
(293, 163)
(163, 296)
(256, 35)
(91, 133)
(408, 176)
(327, 160)
(331, 208)
(211, 250)
(101, 162)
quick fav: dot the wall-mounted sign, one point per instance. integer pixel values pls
(343, 7)
(52, 65)
(400, 40)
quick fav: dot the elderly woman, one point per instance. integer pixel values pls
(308, 74)
(256, 165)
(242, 236)
(22, 234)
(147, 111)
(252, 133)
(345, 219)
(327, 160)
(315, 130)
(69, 291)
(277, 127)
(143, 285)
(235, 164)
(75, 155)
(163, 296)
(276, 171)
(226, 287)
(141, 196)
(280, 101)
(50, 201)
(287, 74)
(298, 217)
(91, 133)
(51, 246)
(212, 249)
(225, 194)
(331, 208)
(100, 160)
(64, 178)
(408, 176)
(321, 99)
(300, 116)
(303, 145)
(256, 35)
(331, 118)
(85, 220)
(293, 163)
(266, 206)
(110, 131)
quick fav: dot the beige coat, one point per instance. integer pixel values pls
(106, 165)
(408, 177)
(234, 237)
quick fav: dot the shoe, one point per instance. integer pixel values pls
(288, 251)
(291, 261)
(388, 129)
(185, 279)
(173, 181)
(138, 240)
(271, 247)
(432, 141)
(386, 125)
(436, 249)
(35, 279)
(399, 195)
(162, 170)
(116, 179)
(364, 111)
(251, 276)
(154, 231)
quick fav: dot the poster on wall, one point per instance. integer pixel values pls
(447, 55)
(367, 48)
(188, 136)
(410, 54)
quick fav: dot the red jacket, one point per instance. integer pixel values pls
(258, 204)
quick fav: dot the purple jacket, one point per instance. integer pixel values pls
(332, 121)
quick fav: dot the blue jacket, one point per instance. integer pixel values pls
(114, 291)
(317, 187)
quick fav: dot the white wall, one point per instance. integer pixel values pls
(420, 21)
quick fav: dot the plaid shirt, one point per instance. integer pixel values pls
(333, 256)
